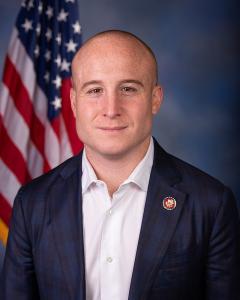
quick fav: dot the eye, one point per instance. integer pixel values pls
(128, 89)
(94, 91)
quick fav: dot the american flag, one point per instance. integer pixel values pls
(37, 128)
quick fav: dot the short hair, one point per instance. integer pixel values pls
(129, 35)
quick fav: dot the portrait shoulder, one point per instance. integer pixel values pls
(200, 186)
(40, 186)
(196, 178)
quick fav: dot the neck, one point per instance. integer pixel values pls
(115, 170)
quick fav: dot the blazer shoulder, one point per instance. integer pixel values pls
(32, 200)
(193, 174)
(202, 189)
(32, 195)
(183, 171)
(63, 170)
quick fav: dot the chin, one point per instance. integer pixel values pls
(111, 150)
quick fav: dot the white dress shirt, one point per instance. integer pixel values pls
(111, 228)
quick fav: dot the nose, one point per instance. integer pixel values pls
(112, 106)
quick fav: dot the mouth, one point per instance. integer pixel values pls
(112, 128)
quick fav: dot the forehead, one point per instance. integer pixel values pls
(111, 53)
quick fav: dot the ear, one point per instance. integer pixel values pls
(157, 98)
(73, 101)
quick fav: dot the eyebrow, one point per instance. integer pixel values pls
(92, 82)
(132, 81)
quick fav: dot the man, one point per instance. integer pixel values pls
(124, 219)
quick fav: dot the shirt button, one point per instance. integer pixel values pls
(109, 259)
(110, 212)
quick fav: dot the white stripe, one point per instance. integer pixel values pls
(9, 183)
(34, 161)
(25, 67)
(51, 144)
(19, 133)
(40, 104)
(4, 99)
(52, 147)
(14, 123)
(66, 150)
(22, 62)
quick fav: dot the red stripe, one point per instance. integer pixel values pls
(56, 126)
(68, 117)
(21, 98)
(12, 157)
(5, 210)
(55, 123)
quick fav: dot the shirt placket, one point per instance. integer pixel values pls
(109, 265)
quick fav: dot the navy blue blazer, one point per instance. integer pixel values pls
(191, 252)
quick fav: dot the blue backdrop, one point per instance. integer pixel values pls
(196, 44)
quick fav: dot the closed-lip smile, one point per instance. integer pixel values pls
(112, 128)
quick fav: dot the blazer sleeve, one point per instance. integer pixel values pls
(18, 275)
(223, 261)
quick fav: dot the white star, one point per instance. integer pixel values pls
(30, 5)
(59, 38)
(58, 60)
(38, 29)
(69, 1)
(76, 27)
(47, 55)
(57, 103)
(71, 46)
(48, 34)
(40, 7)
(62, 16)
(37, 51)
(27, 25)
(23, 3)
(65, 66)
(47, 76)
(49, 12)
(58, 81)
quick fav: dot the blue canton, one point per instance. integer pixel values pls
(51, 34)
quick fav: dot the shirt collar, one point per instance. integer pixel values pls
(139, 176)
(88, 175)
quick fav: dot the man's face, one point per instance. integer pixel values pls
(114, 97)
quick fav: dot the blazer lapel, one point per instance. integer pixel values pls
(66, 217)
(158, 224)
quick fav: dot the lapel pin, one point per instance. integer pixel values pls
(169, 203)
